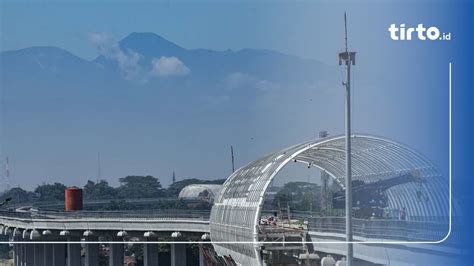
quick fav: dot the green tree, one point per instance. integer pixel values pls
(140, 187)
(301, 196)
(50, 192)
(115, 205)
(99, 190)
(19, 195)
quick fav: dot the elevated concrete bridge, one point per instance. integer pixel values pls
(233, 224)
(324, 235)
(39, 236)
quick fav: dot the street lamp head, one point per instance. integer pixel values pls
(347, 57)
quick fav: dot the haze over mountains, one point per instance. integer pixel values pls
(150, 106)
(155, 66)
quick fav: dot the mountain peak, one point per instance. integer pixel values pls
(150, 44)
(144, 35)
(42, 55)
(41, 50)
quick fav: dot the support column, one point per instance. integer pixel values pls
(73, 253)
(38, 254)
(201, 255)
(21, 255)
(150, 254)
(116, 255)
(15, 253)
(178, 254)
(17, 247)
(48, 254)
(92, 254)
(28, 255)
(59, 255)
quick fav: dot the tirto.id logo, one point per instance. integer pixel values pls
(401, 33)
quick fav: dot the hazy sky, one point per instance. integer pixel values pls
(296, 28)
(311, 30)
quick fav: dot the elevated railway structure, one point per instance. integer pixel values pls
(51, 230)
(234, 228)
(39, 236)
(235, 215)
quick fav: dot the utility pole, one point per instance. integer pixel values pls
(232, 157)
(7, 174)
(174, 178)
(348, 58)
(99, 170)
(324, 182)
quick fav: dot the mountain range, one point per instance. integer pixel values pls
(145, 97)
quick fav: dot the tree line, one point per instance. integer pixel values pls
(130, 187)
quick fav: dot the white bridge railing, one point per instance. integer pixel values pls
(146, 214)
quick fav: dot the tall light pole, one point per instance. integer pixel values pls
(349, 59)
(99, 168)
(232, 157)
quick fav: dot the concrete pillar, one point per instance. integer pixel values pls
(116, 255)
(178, 254)
(201, 256)
(15, 253)
(28, 255)
(92, 254)
(17, 249)
(17, 236)
(59, 255)
(48, 254)
(73, 253)
(38, 254)
(18, 257)
(21, 259)
(150, 254)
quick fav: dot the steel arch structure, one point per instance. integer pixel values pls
(200, 191)
(236, 211)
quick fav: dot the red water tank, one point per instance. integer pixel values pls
(73, 199)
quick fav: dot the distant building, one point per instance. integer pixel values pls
(200, 192)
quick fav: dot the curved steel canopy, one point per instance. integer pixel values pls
(196, 191)
(236, 211)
